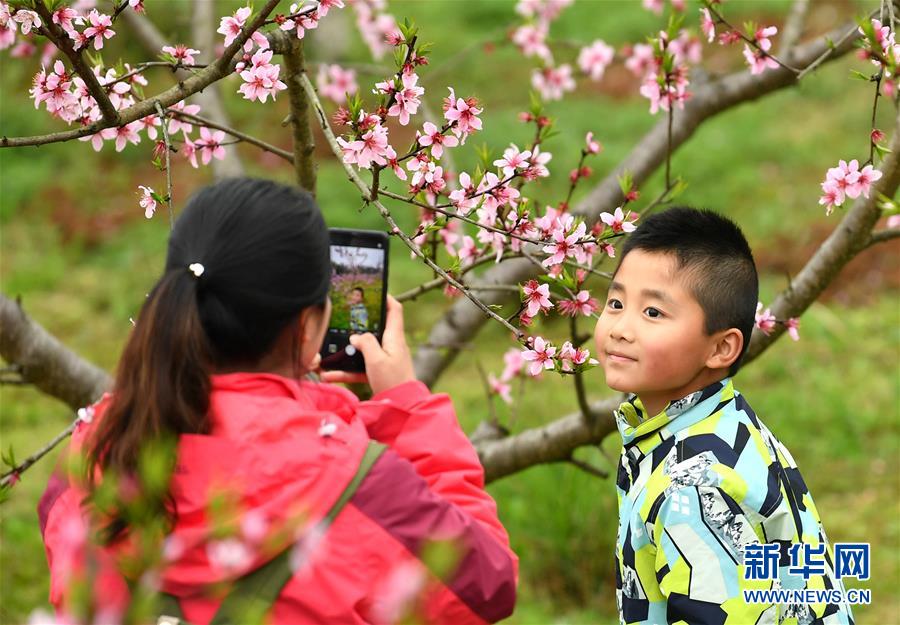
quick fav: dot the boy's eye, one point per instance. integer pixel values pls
(652, 312)
(615, 304)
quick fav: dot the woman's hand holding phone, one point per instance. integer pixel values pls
(387, 364)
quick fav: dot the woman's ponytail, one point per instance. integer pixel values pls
(162, 387)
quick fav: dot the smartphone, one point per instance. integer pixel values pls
(359, 273)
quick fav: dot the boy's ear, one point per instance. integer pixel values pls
(726, 347)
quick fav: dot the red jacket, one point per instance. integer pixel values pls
(282, 446)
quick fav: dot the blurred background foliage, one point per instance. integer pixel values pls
(78, 251)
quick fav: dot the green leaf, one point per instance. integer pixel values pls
(549, 133)
(750, 29)
(860, 76)
(680, 186)
(9, 458)
(675, 22)
(887, 204)
(537, 106)
(626, 182)
(484, 155)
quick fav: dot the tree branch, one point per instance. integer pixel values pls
(209, 123)
(851, 236)
(45, 362)
(553, 442)
(13, 474)
(710, 99)
(304, 144)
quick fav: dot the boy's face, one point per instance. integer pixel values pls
(355, 297)
(650, 336)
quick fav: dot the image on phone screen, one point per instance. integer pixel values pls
(359, 260)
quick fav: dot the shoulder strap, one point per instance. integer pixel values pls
(255, 593)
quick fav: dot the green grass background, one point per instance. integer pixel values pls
(77, 249)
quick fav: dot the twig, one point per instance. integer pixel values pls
(203, 121)
(13, 474)
(488, 391)
(878, 78)
(587, 467)
(468, 220)
(147, 65)
(751, 42)
(580, 392)
(165, 133)
(432, 284)
(881, 236)
(853, 30)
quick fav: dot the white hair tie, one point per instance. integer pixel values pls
(197, 269)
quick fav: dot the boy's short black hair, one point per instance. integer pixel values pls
(717, 263)
(360, 289)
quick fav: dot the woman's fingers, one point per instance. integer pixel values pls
(393, 327)
(343, 377)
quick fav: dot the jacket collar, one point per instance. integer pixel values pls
(635, 424)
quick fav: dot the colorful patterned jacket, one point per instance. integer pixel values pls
(695, 484)
(282, 447)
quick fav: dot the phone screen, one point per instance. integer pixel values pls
(358, 294)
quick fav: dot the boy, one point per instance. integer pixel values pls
(700, 476)
(359, 316)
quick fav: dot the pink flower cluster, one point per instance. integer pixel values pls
(656, 6)
(595, 58)
(98, 30)
(531, 39)
(231, 27)
(336, 83)
(662, 88)
(181, 53)
(462, 115)
(543, 356)
(300, 20)
(766, 322)
(618, 222)
(553, 82)
(378, 28)
(405, 97)
(261, 79)
(433, 136)
(544, 11)
(581, 304)
(846, 180)
(758, 58)
(147, 201)
(884, 51)
(513, 364)
(371, 144)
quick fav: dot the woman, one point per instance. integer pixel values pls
(218, 359)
